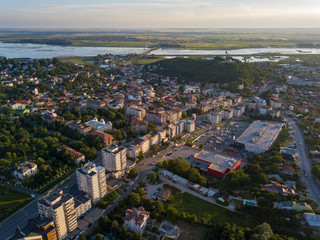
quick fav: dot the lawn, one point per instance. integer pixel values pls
(191, 231)
(188, 203)
(11, 200)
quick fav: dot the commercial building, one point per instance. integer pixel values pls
(59, 208)
(114, 159)
(92, 180)
(215, 163)
(259, 136)
(99, 125)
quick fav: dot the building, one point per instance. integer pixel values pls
(312, 219)
(99, 125)
(214, 163)
(79, 157)
(114, 159)
(135, 111)
(37, 229)
(105, 137)
(25, 169)
(136, 219)
(164, 194)
(259, 136)
(139, 124)
(79, 127)
(215, 116)
(59, 208)
(92, 180)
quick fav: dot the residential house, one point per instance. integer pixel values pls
(136, 219)
(79, 157)
(25, 169)
(105, 137)
(139, 124)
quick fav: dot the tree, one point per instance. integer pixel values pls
(142, 184)
(140, 156)
(133, 199)
(99, 236)
(114, 225)
(262, 232)
(131, 132)
(153, 177)
(94, 141)
(152, 127)
(133, 173)
(82, 237)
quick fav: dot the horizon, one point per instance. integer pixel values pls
(160, 14)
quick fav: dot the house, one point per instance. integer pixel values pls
(287, 169)
(312, 219)
(79, 157)
(139, 124)
(105, 137)
(79, 127)
(164, 194)
(25, 169)
(136, 219)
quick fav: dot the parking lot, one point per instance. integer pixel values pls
(152, 189)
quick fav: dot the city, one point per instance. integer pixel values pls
(125, 128)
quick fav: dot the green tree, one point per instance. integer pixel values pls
(153, 177)
(140, 156)
(133, 173)
(99, 236)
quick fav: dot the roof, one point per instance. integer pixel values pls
(260, 135)
(217, 161)
(137, 215)
(25, 166)
(69, 149)
(138, 121)
(165, 193)
(312, 219)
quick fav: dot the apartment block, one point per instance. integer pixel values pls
(92, 180)
(114, 159)
(59, 208)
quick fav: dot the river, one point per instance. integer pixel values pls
(30, 50)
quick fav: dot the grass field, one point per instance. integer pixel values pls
(209, 39)
(191, 231)
(11, 200)
(188, 203)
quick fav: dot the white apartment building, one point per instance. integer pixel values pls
(114, 159)
(59, 208)
(92, 180)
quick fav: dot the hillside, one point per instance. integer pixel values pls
(200, 70)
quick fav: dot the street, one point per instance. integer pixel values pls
(304, 162)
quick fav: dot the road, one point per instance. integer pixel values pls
(304, 162)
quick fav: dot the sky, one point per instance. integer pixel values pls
(159, 14)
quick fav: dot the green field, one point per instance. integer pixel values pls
(11, 200)
(209, 39)
(188, 203)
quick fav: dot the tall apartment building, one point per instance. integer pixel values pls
(59, 208)
(135, 111)
(114, 159)
(92, 180)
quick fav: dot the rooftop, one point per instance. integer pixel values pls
(217, 161)
(260, 135)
